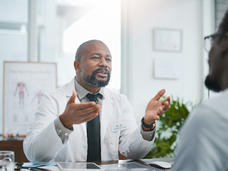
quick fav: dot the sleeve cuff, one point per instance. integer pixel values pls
(148, 135)
(62, 131)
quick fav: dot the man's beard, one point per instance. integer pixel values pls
(98, 83)
(212, 84)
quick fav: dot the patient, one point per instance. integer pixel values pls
(203, 139)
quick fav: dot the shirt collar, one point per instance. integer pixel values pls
(82, 92)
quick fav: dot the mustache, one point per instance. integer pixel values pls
(101, 70)
(212, 84)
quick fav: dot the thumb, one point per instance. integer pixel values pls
(72, 98)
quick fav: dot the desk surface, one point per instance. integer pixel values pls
(123, 165)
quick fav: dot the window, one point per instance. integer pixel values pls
(76, 22)
(61, 26)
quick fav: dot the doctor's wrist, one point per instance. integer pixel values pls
(65, 123)
(148, 126)
(148, 121)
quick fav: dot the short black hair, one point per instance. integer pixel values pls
(223, 26)
(81, 47)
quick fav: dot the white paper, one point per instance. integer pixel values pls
(166, 68)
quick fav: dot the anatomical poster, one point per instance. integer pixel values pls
(23, 85)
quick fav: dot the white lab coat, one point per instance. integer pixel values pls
(119, 131)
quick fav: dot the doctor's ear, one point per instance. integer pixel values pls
(76, 66)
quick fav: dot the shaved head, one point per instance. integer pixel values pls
(82, 47)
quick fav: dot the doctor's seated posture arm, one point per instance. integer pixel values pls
(84, 121)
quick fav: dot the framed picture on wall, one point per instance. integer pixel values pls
(167, 40)
(23, 85)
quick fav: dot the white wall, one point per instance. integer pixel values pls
(208, 28)
(142, 17)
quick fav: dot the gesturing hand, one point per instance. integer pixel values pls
(78, 113)
(155, 107)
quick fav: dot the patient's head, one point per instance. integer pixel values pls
(217, 78)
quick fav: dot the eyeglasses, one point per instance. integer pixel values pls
(208, 40)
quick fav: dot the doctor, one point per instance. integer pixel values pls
(84, 121)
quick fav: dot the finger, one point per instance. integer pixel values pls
(85, 116)
(91, 117)
(72, 98)
(82, 106)
(167, 100)
(159, 94)
(165, 108)
(161, 110)
(157, 117)
(164, 103)
(99, 107)
(87, 111)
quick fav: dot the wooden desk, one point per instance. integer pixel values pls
(16, 146)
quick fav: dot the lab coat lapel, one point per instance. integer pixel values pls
(69, 88)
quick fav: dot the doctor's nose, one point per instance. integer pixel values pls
(103, 62)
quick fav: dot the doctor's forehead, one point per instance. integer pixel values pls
(90, 46)
(93, 47)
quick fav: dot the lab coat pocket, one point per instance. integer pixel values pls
(112, 135)
(115, 128)
(112, 140)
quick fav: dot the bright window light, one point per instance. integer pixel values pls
(103, 22)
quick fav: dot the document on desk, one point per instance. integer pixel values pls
(68, 166)
(125, 167)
